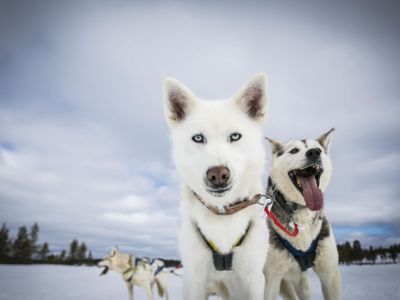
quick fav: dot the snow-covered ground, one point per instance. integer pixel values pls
(49, 282)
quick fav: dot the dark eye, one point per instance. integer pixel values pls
(234, 137)
(294, 150)
(198, 138)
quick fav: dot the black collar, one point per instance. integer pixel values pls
(287, 207)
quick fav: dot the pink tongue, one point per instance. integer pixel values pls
(312, 194)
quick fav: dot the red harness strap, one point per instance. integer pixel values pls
(279, 224)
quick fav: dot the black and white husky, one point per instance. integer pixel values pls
(300, 173)
(219, 153)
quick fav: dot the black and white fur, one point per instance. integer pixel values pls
(282, 271)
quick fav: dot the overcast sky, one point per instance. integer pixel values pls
(84, 147)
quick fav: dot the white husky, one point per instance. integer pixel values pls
(218, 151)
(300, 173)
(136, 271)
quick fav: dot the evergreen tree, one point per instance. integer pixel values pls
(22, 246)
(73, 250)
(81, 255)
(356, 251)
(393, 253)
(347, 253)
(62, 255)
(34, 236)
(4, 243)
(372, 255)
(44, 251)
(340, 252)
(90, 256)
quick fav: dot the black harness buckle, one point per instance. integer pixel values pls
(222, 262)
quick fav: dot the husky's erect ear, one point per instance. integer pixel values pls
(276, 147)
(252, 98)
(178, 100)
(325, 139)
(114, 251)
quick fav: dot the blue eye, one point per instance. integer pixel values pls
(199, 138)
(294, 151)
(235, 137)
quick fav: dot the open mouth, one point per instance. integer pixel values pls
(306, 180)
(104, 272)
(219, 192)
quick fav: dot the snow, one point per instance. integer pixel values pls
(49, 282)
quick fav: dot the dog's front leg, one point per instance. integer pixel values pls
(251, 286)
(130, 290)
(302, 287)
(330, 282)
(326, 266)
(272, 285)
(194, 284)
(274, 270)
(147, 288)
(146, 284)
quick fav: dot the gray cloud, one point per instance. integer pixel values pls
(84, 146)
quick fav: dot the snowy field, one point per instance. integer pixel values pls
(49, 282)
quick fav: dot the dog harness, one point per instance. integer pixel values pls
(131, 269)
(288, 207)
(305, 259)
(222, 261)
(158, 270)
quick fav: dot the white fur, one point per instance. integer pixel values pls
(282, 272)
(142, 276)
(217, 120)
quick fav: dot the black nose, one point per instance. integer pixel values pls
(313, 153)
(218, 176)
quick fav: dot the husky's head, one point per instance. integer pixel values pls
(114, 261)
(302, 169)
(217, 145)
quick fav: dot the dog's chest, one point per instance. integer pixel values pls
(305, 238)
(222, 231)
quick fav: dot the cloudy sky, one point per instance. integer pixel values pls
(84, 148)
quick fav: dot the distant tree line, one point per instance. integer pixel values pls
(355, 254)
(24, 249)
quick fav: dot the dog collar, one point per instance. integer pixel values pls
(230, 208)
(257, 199)
(288, 207)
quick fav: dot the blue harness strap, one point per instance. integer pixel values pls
(137, 260)
(159, 269)
(304, 259)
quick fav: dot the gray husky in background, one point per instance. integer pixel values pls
(300, 173)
